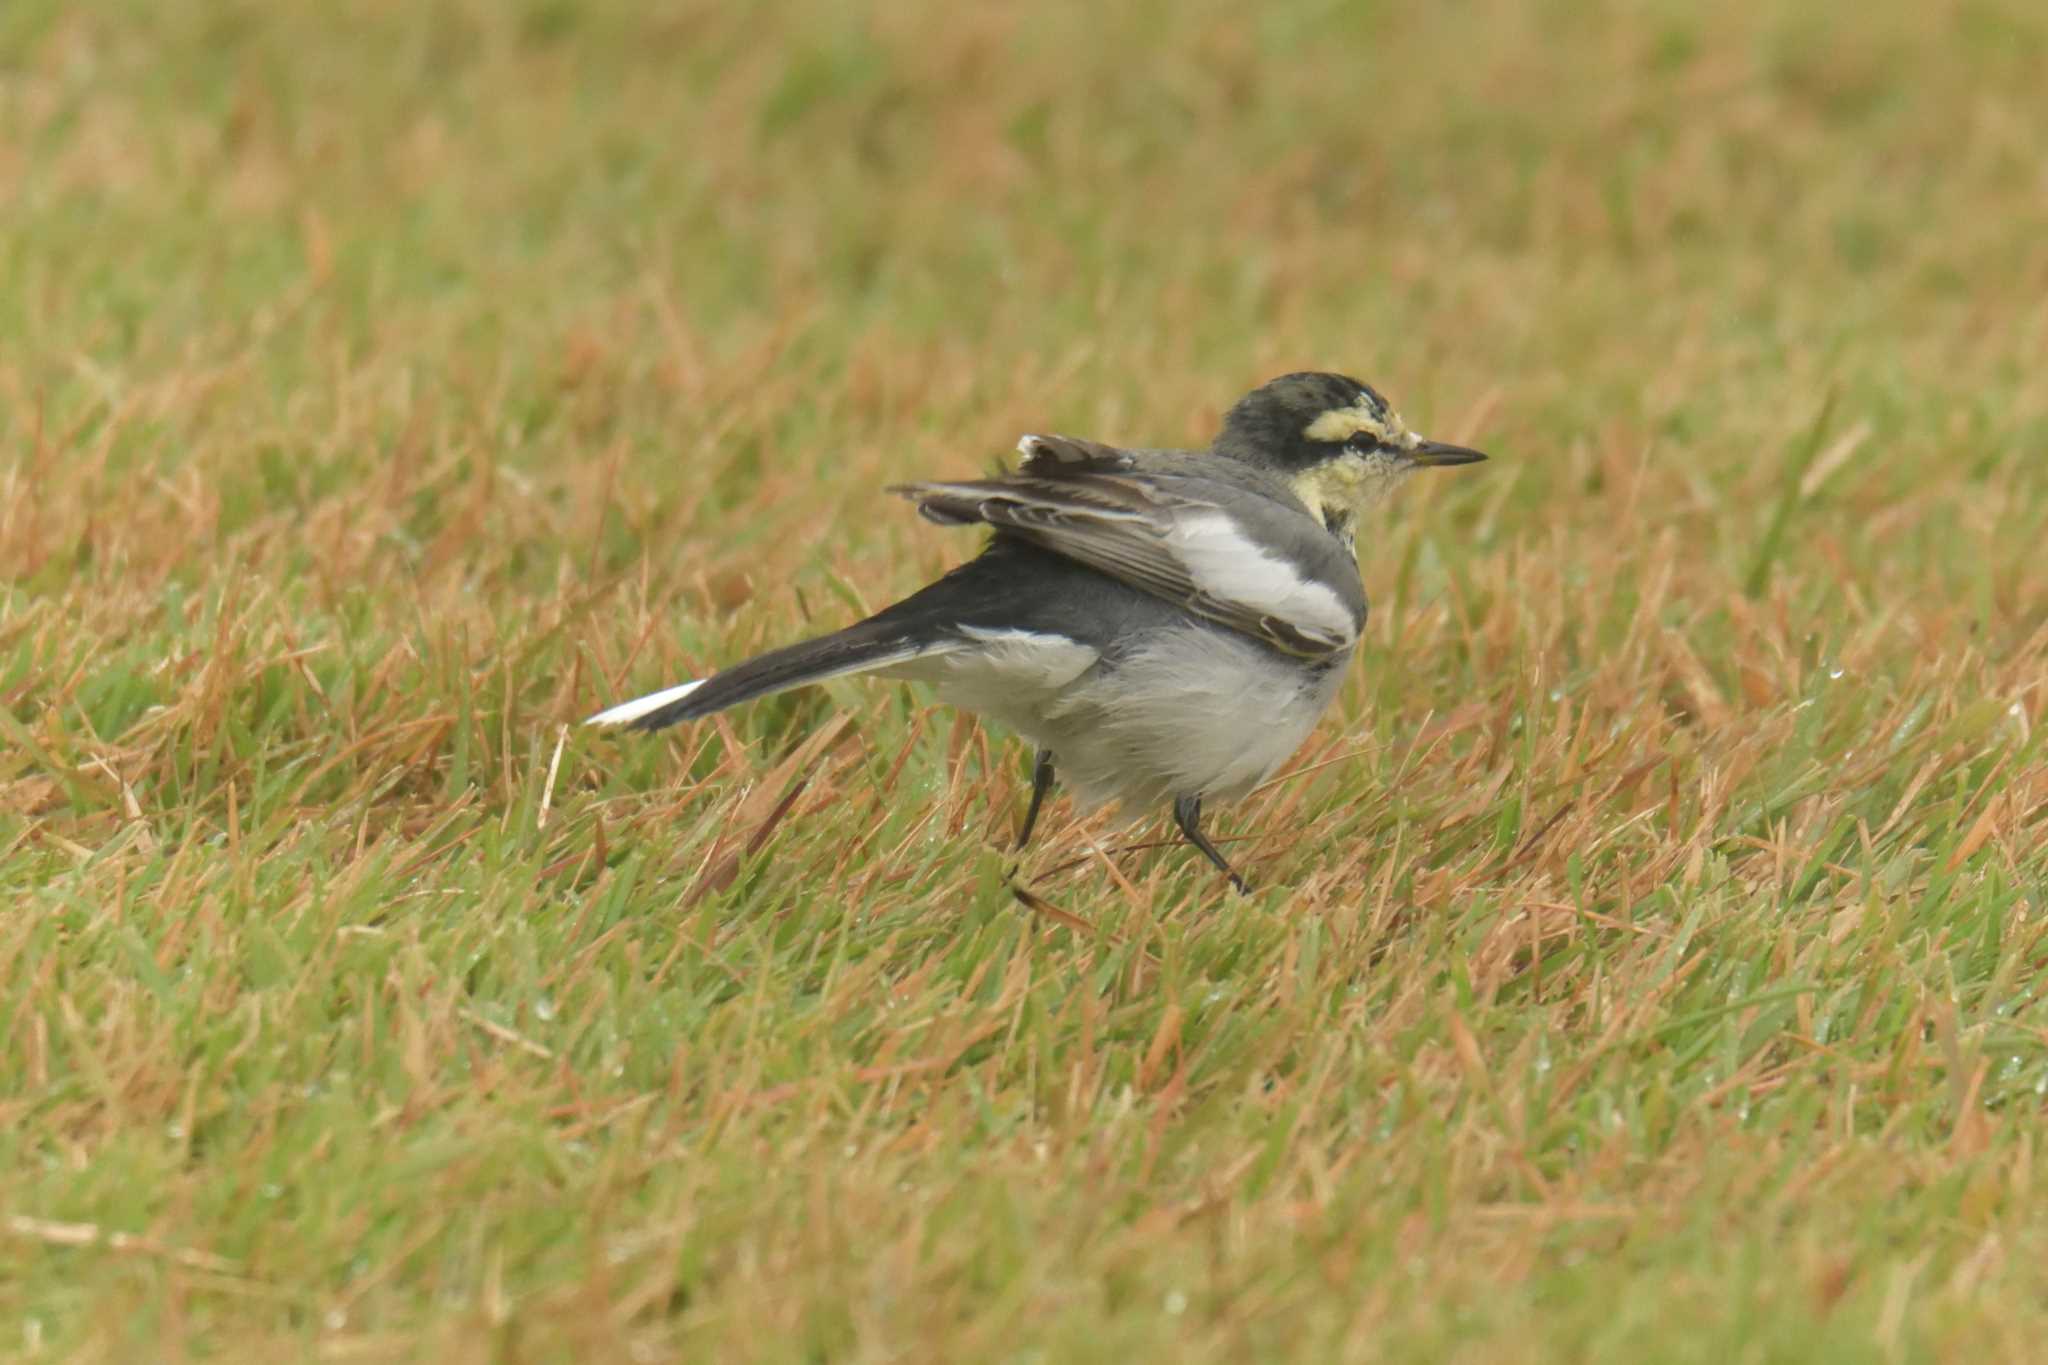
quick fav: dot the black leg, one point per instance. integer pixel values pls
(1187, 813)
(1041, 783)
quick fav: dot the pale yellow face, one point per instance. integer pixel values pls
(1365, 465)
(1339, 425)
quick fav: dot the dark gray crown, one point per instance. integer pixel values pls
(1267, 424)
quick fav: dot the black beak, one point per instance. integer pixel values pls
(1431, 453)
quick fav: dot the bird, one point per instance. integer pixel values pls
(1165, 626)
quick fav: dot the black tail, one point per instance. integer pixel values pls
(857, 649)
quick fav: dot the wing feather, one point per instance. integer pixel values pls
(1169, 536)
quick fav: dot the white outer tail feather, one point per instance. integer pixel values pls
(626, 712)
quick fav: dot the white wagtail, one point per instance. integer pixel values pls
(1165, 625)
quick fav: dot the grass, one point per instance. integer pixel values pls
(1649, 957)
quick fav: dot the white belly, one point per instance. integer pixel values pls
(1186, 712)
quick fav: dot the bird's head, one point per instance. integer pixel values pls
(1336, 441)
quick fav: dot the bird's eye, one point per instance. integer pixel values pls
(1362, 442)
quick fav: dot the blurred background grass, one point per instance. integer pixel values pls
(1651, 961)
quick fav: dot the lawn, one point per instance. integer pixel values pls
(1649, 957)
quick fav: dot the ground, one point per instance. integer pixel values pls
(1648, 957)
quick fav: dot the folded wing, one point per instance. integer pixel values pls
(1252, 564)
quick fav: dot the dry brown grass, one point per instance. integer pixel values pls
(1649, 958)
